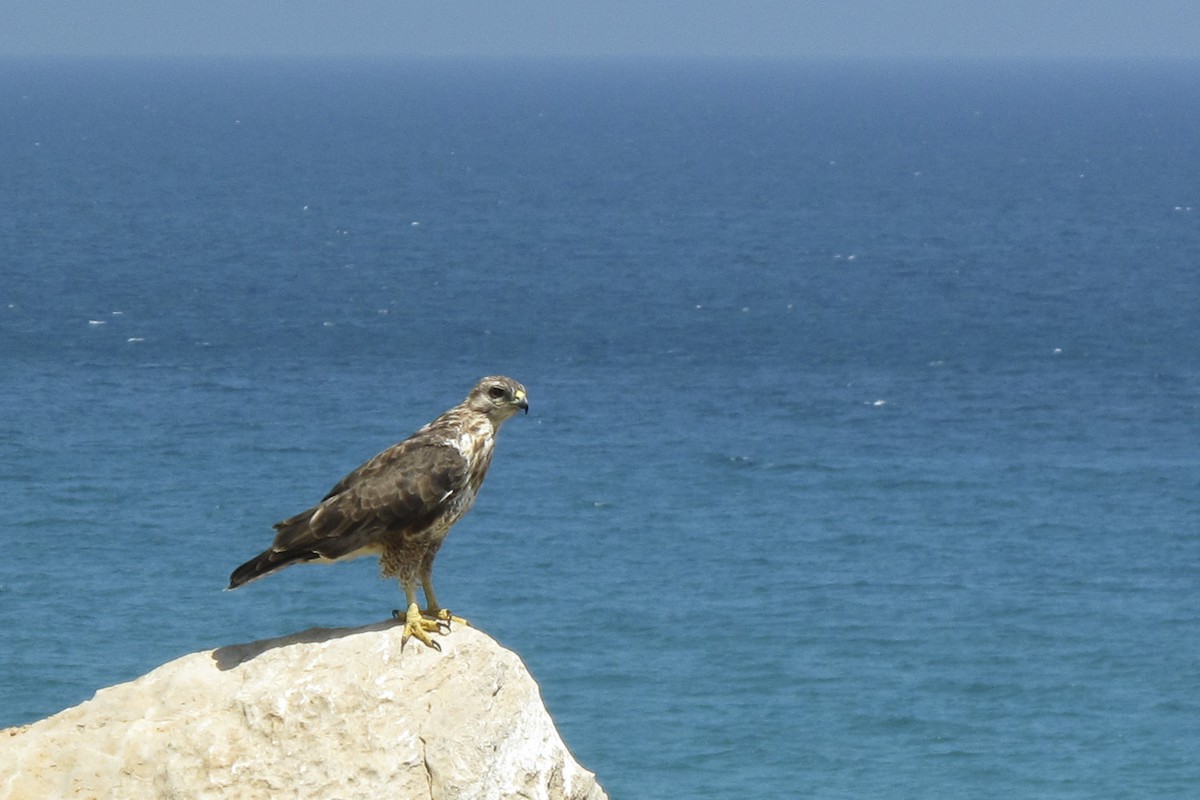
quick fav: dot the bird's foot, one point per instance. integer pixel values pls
(415, 624)
(444, 616)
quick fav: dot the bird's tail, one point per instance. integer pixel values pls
(265, 563)
(314, 535)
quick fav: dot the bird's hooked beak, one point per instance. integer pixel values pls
(522, 401)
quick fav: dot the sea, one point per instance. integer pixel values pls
(863, 458)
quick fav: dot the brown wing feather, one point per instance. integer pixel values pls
(402, 490)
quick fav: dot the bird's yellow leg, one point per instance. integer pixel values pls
(435, 611)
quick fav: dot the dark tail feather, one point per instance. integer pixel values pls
(265, 563)
(297, 540)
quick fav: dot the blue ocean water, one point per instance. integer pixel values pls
(862, 459)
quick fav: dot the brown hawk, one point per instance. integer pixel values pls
(400, 505)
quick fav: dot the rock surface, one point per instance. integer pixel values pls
(327, 713)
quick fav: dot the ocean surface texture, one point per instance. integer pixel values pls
(864, 451)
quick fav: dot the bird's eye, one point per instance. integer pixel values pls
(496, 392)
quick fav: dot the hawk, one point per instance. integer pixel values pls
(400, 504)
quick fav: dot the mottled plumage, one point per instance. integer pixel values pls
(400, 504)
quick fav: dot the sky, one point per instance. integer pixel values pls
(1022, 29)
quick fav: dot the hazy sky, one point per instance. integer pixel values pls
(938, 28)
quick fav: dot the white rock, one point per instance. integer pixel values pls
(327, 713)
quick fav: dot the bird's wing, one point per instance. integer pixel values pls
(404, 488)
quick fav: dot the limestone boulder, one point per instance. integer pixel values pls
(327, 713)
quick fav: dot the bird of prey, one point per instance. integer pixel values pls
(400, 504)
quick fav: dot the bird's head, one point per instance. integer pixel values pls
(498, 397)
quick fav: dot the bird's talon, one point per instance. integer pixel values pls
(417, 626)
(444, 616)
